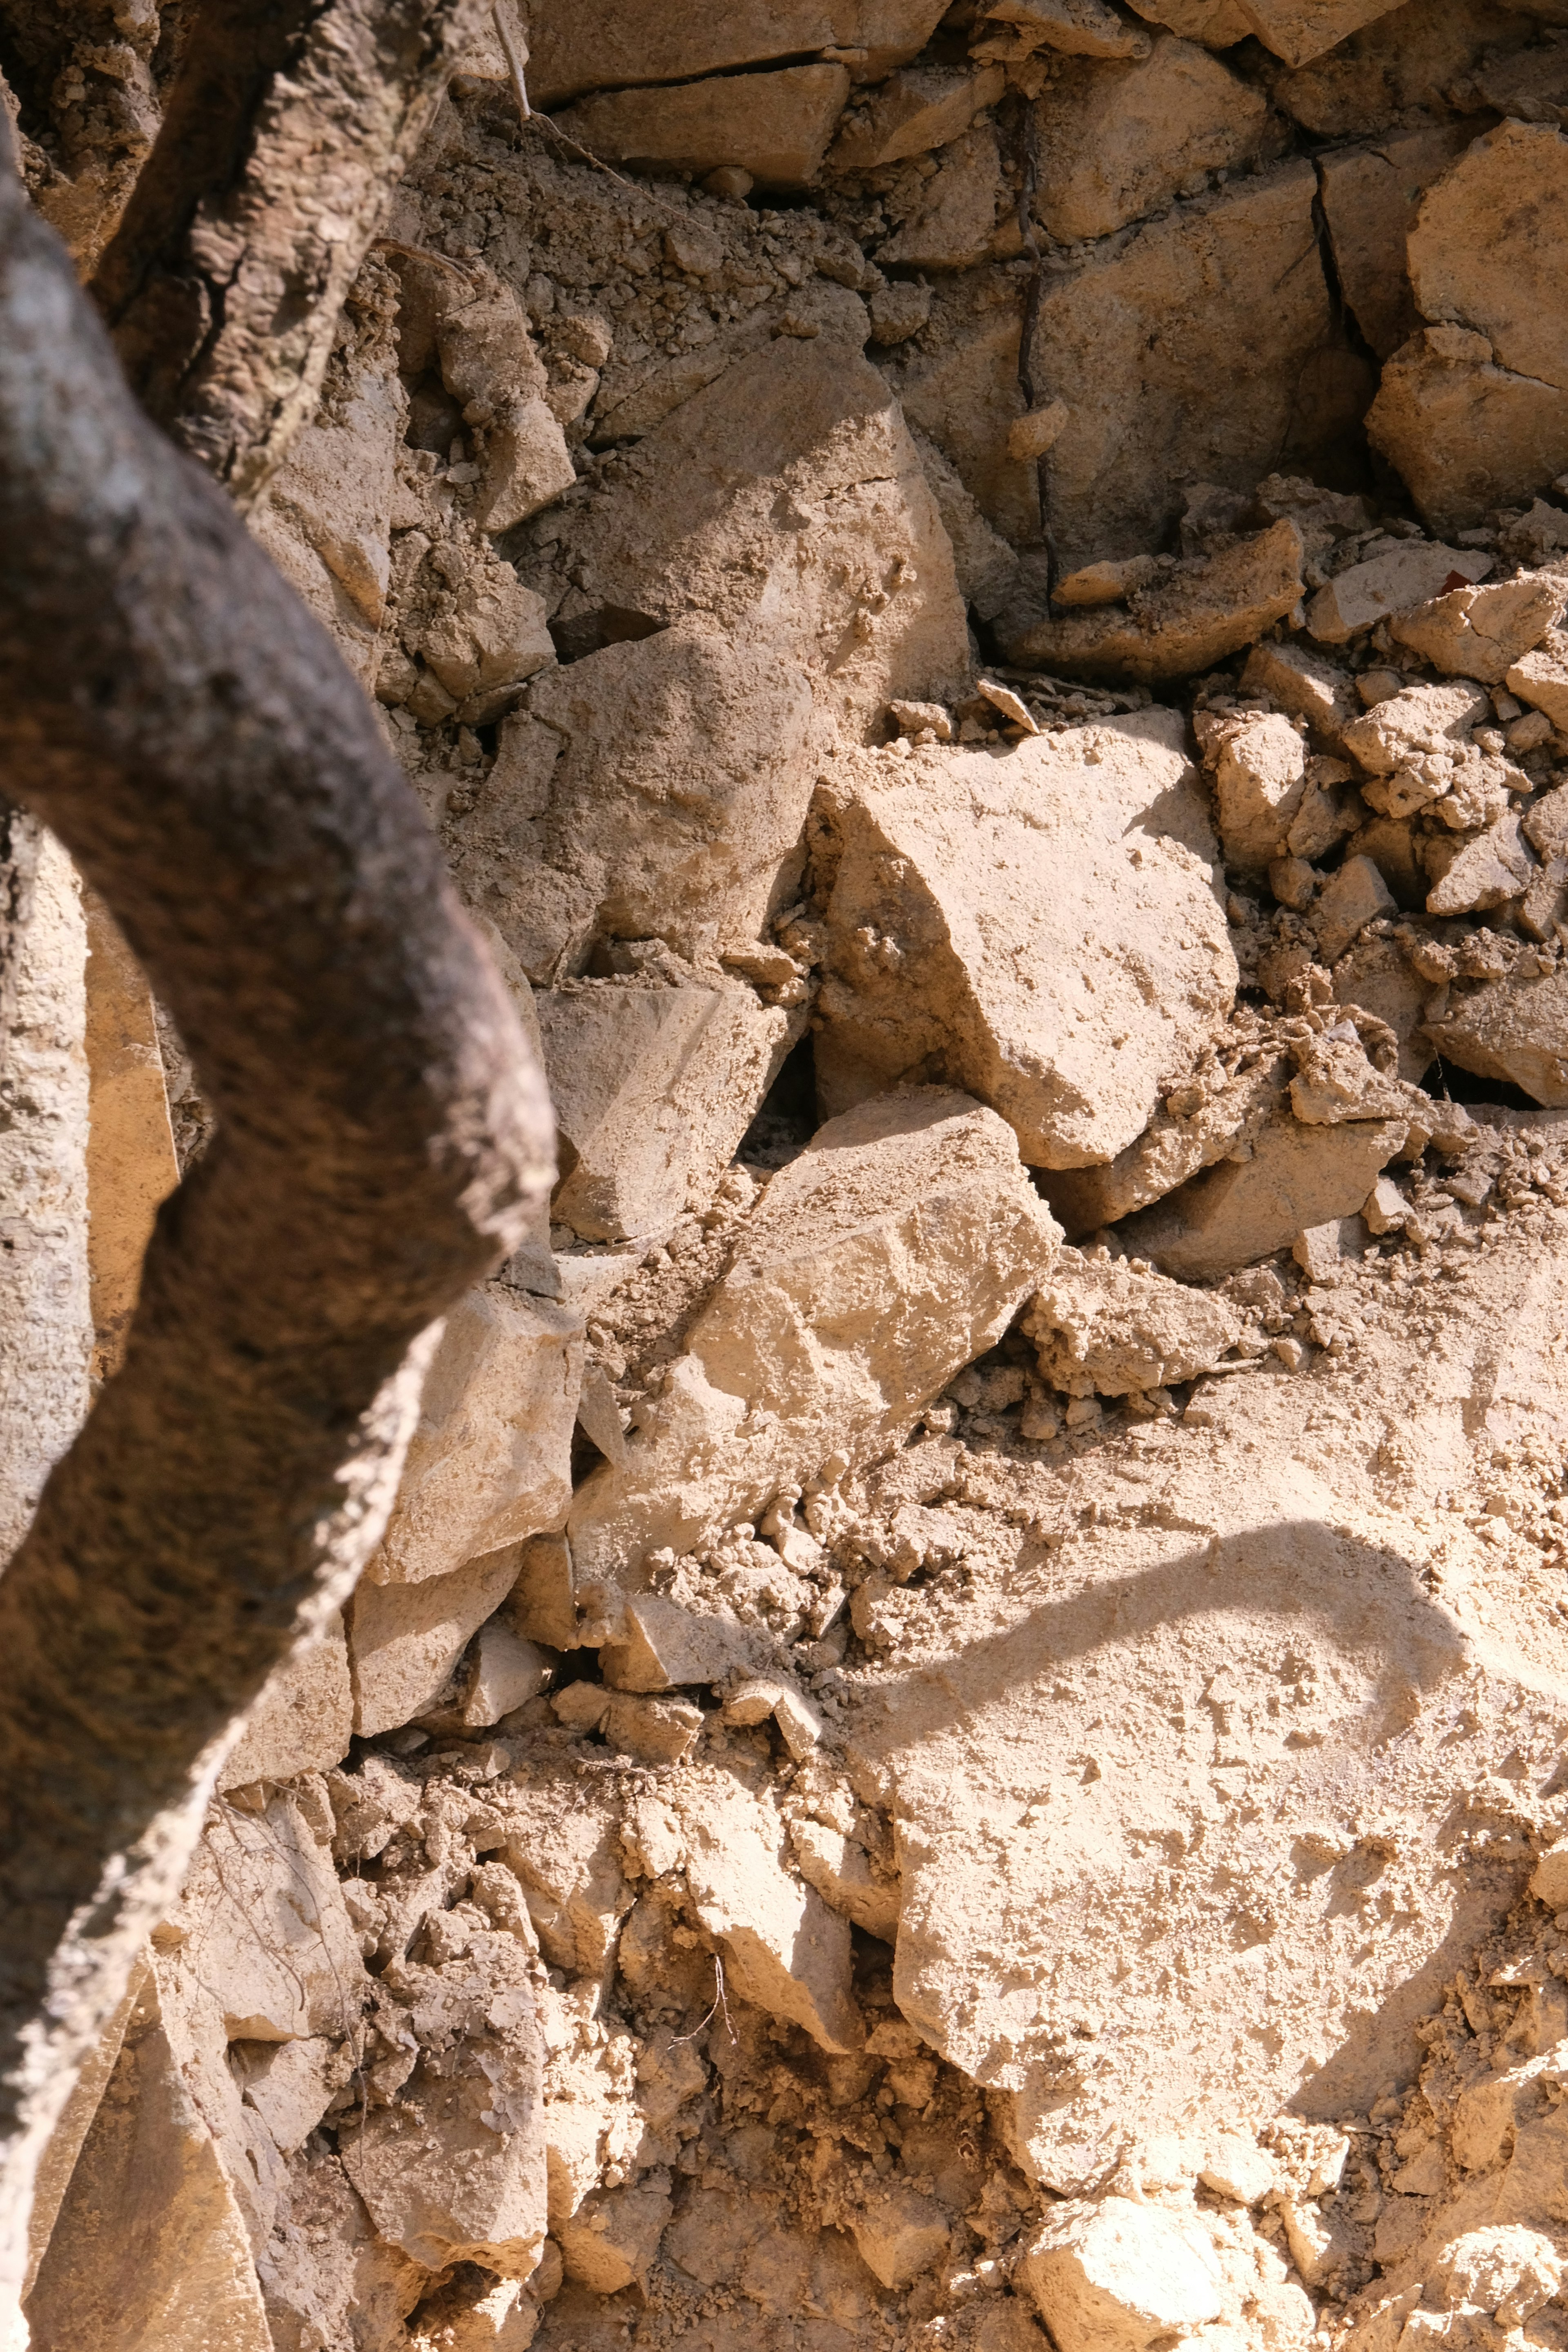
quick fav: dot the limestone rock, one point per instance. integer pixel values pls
(1354, 896)
(1116, 2275)
(1074, 29)
(610, 43)
(1483, 250)
(653, 1089)
(1218, 24)
(784, 1948)
(958, 384)
(303, 1719)
(839, 1868)
(131, 1162)
(1119, 141)
(613, 2237)
(1482, 632)
(405, 1639)
(654, 1730)
(1392, 581)
(1305, 684)
(1541, 679)
(489, 361)
(922, 108)
(1416, 724)
(1465, 434)
(777, 126)
(490, 1460)
(566, 1853)
(326, 516)
(888, 1254)
(1105, 1328)
(1260, 783)
(986, 567)
(658, 1646)
(1511, 1029)
(954, 221)
(1491, 869)
(900, 2233)
(1189, 618)
(261, 1923)
(1371, 194)
(1240, 270)
(1238, 1212)
(1169, 1150)
(952, 862)
(484, 631)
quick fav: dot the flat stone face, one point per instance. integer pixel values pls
(963, 874)
(1294, 1178)
(1372, 195)
(1120, 141)
(609, 43)
(1240, 273)
(1486, 248)
(1299, 30)
(776, 126)
(1513, 1029)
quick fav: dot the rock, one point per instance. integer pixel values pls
(1260, 783)
(839, 1868)
(1237, 2168)
(813, 1344)
(1490, 869)
(613, 2238)
(1391, 582)
(1376, 975)
(1371, 197)
(1306, 685)
(922, 108)
(490, 1460)
(1187, 620)
(325, 517)
(489, 361)
(1511, 1029)
(1417, 724)
(1169, 1150)
(567, 1853)
(611, 43)
(542, 1603)
(1354, 896)
(1117, 142)
(1541, 679)
(1549, 1881)
(898, 308)
(1105, 1328)
(777, 126)
(654, 1730)
(929, 718)
(653, 1089)
(1483, 250)
(1032, 434)
(1114, 2276)
(1240, 268)
(959, 386)
(261, 1923)
(1218, 24)
(1106, 583)
(900, 2233)
(660, 1645)
(1385, 1207)
(1482, 632)
(480, 631)
(131, 1162)
(800, 1723)
(954, 863)
(405, 1639)
(303, 1719)
(1238, 1212)
(1465, 433)
(954, 221)
(784, 1948)
(987, 567)
(504, 1672)
(1074, 29)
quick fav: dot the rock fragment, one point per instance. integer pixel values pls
(919, 109)
(1353, 896)
(840, 1869)
(1119, 2274)
(1238, 1212)
(893, 1251)
(1306, 685)
(658, 1646)
(1371, 194)
(1119, 143)
(611, 43)
(405, 1639)
(1541, 679)
(1104, 1328)
(1417, 724)
(1260, 783)
(954, 222)
(1466, 434)
(1484, 248)
(777, 126)
(1511, 1029)
(303, 1720)
(900, 2233)
(960, 873)
(1392, 581)
(1183, 621)
(1482, 632)
(1489, 870)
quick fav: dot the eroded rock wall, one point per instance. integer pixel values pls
(956, 1740)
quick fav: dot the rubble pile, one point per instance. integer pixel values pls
(955, 1738)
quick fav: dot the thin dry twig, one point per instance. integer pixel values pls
(720, 2007)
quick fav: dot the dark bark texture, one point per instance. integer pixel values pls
(170, 709)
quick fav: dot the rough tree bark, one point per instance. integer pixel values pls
(171, 711)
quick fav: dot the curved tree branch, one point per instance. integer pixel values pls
(170, 709)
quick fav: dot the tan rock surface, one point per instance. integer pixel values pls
(1186, 619)
(1372, 195)
(1295, 1177)
(611, 42)
(951, 861)
(1121, 140)
(1105, 1328)
(1512, 187)
(1482, 632)
(776, 126)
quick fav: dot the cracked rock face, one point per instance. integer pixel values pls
(955, 1741)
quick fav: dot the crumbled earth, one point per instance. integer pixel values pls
(956, 1736)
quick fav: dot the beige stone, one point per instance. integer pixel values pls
(839, 1868)
(653, 1089)
(1299, 30)
(1492, 869)
(784, 1948)
(566, 1853)
(900, 2233)
(1376, 975)
(1169, 1150)
(542, 1603)
(986, 567)
(658, 1646)
(326, 516)
(1032, 434)
(776, 126)
(1074, 29)
(1184, 621)
(1119, 141)
(1240, 271)
(304, 1717)
(888, 1254)
(1218, 24)
(1511, 1029)
(1115, 2276)
(954, 221)
(1371, 194)
(1549, 1880)
(490, 1460)
(262, 1927)
(1260, 783)
(612, 2239)
(1483, 252)
(1238, 1212)
(505, 1672)
(922, 108)
(800, 1723)
(960, 386)
(405, 1639)
(1104, 1328)
(488, 362)
(1354, 896)
(953, 861)
(654, 1730)
(1105, 584)
(130, 1163)
(1393, 580)
(1541, 679)
(1417, 724)
(1482, 632)
(1305, 684)
(1465, 433)
(609, 43)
